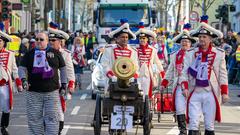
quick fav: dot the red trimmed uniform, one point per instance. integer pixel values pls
(205, 100)
(8, 69)
(148, 54)
(111, 53)
(173, 73)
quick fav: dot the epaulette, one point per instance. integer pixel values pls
(108, 45)
(192, 48)
(173, 52)
(66, 50)
(220, 49)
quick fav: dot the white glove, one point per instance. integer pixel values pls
(113, 78)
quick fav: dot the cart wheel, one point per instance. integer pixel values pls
(159, 117)
(97, 116)
(147, 119)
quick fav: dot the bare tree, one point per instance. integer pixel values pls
(204, 4)
(163, 7)
(178, 15)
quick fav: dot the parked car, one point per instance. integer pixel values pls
(99, 79)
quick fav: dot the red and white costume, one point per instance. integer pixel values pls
(173, 72)
(8, 68)
(114, 52)
(150, 65)
(210, 96)
(205, 76)
(148, 54)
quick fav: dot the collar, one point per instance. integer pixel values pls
(2, 50)
(122, 48)
(144, 46)
(206, 52)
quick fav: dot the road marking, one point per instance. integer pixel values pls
(83, 97)
(75, 110)
(89, 86)
(173, 131)
(238, 107)
(65, 130)
(87, 71)
(103, 129)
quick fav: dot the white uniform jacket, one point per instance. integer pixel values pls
(69, 66)
(8, 62)
(172, 75)
(113, 52)
(149, 56)
(217, 75)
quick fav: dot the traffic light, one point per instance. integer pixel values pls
(232, 8)
(5, 9)
(219, 12)
(225, 14)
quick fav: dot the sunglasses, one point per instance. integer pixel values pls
(39, 39)
(52, 40)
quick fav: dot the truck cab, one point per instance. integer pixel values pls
(107, 15)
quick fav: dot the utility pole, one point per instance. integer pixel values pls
(73, 18)
(32, 7)
(178, 15)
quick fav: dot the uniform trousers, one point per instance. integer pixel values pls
(202, 102)
(180, 102)
(4, 98)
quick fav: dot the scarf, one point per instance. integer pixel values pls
(179, 61)
(199, 69)
(41, 66)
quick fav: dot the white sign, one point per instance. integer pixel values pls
(126, 109)
(117, 121)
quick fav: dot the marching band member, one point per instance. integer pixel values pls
(8, 68)
(55, 38)
(148, 55)
(121, 49)
(205, 78)
(174, 71)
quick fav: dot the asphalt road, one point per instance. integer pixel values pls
(81, 108)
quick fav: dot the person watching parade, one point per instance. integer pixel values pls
(204, 79)
(173, 73)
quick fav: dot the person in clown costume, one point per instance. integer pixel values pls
(8, 69)
(147, 56)
(173, 73)
(55, 38)
(204, 79)
(120, 49)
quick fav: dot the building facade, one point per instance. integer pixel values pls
(236, 16)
